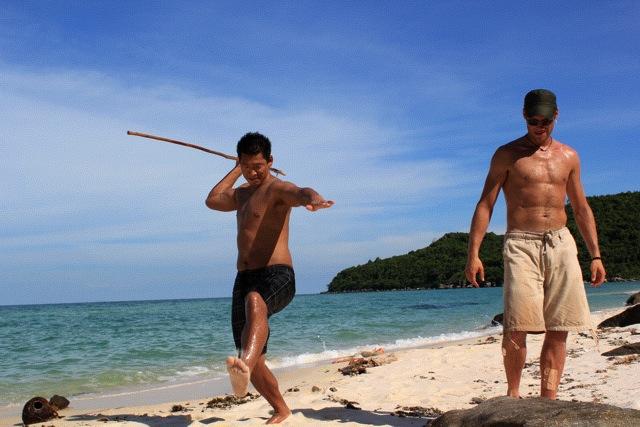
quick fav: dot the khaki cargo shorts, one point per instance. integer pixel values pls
(543, 286)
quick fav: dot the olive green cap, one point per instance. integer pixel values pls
(540, 102)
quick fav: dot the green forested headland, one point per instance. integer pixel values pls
(441, 264)
(618, 220)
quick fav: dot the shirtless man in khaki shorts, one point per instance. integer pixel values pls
(543, 286)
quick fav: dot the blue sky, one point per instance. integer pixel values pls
(392, 109)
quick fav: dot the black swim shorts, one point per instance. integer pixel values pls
(276, 284)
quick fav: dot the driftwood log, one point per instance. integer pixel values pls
(197, 147)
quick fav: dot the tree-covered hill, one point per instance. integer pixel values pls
(441, 264)
(618, 220)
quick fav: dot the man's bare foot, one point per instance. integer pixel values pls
(515, 394)
(278, 417)
(239, 375)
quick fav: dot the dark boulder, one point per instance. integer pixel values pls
(634, 299)
(59, 402)
(538, 412)
(497, 319)
(628, 317)
(624, 350)
(38, 410)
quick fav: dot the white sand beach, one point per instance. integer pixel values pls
(443, 377)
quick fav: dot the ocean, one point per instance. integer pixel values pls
(89, 349)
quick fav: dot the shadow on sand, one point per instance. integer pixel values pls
(373, 418)
(149, 420)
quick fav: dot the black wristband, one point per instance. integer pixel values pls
(595, 258)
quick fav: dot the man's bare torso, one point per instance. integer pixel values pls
(263, 227)
(535, 185)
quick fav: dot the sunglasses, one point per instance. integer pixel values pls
(536, 122)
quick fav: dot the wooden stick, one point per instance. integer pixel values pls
(197, 147)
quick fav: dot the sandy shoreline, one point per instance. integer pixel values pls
(443, 376)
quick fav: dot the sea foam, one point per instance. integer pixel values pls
(311, 358)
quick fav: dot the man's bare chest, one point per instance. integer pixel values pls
(539, 169)
(251, 208)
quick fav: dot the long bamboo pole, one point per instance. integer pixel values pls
(197, 147)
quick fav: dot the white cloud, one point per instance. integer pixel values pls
(81, 192)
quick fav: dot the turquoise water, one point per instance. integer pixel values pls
(75, 349)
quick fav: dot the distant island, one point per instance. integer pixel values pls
(441, 264)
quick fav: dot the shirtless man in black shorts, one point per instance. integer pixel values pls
(265, 283)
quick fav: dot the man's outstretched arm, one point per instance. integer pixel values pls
(586, 222)
(295, 196)
(482, 215)
(222, 196)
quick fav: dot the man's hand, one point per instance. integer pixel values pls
(473, 268)
(597, 273)
(318, 203)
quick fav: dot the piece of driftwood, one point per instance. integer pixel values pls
(197, 147)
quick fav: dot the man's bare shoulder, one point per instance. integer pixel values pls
(281, 193)
(281, 185)
(566, 149)
(511, 147)
(507, 152)
(567, 153)
(280, 189)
